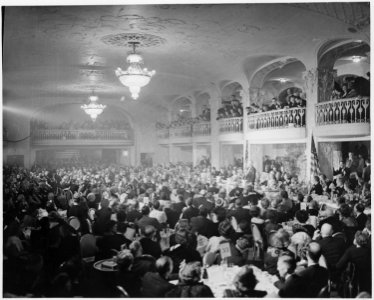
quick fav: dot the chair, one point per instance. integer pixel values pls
(209, 258)
(75, 223)
(122, 292)
(88, 247)
(324, 292)
(258, 244)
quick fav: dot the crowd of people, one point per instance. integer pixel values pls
(292, 100)
(351, 87)
(159, 228)
(230, 109)
(181, 120)
(99, 124)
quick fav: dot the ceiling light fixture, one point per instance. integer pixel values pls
(356, 59)
(283, 80)
(134, 77)
(93, 109)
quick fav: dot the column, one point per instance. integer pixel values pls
(214, 101)
(244, 94)
(194, 154)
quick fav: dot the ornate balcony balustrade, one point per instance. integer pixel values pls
(275, 119)
(201, 129)
(231, 125)
(61, 134)
(354, 110)
(163, 133)
(181, 131)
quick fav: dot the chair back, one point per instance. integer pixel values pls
(324, 292)
(122, 292)
(75, 223)
(88, 246)
(209, 258)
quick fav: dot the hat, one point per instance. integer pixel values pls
(219, 202)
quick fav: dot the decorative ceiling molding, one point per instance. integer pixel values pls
(354, 14)
(125, 40)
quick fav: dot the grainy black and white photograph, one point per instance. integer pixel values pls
(202, 150)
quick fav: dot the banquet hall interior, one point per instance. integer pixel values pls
(187, 150)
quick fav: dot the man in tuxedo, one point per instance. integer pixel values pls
(361, 218)
(314, 277)
(332, 248)
(202, 225)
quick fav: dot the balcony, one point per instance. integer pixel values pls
(201, 129)
(61, 137)
(231, 125)
(163, 134)
(283, 124)
(343, 118)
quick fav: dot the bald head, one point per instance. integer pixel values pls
(314, 252)
(326, 230)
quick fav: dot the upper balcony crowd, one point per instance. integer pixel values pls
(99, 124)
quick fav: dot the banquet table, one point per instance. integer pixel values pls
(221, 278)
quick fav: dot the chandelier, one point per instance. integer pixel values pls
(93, 109)
(134, 77)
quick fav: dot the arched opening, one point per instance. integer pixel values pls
(182, 109)
(343, 71)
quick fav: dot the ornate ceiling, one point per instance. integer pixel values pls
(55, 53)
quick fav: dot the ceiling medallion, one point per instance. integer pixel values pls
(127, 40)
(134, 77)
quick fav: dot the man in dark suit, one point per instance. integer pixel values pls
(149, 243)
(203, 225)
(190, 211)
(361, 218)
(239, 213)
(332, 248)
(156, 284)
(314, 277)
(146, 220)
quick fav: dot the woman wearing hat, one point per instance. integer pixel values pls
(189, 285)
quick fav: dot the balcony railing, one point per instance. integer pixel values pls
(181, 131)
(201, 129)
(275, 119)
(231, 125)
(343, 111)
(61, 134)
(163, 133)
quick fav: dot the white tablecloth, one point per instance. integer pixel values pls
(221, 278)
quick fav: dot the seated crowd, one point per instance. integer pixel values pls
(181, 121)
(99, 124)
(158, 230)
(230, 109)
(292, 100)
(351, 87)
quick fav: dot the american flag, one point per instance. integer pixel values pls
(314, 166)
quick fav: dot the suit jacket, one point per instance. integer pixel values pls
(240, 214)
(332, 249)
(313, 278)
(361, 221)
(203, 226)
(153, 285)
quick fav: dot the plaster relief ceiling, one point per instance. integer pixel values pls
(52, 52)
